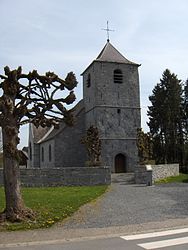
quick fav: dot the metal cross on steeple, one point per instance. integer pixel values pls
(107, 30)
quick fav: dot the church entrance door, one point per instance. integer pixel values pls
(120, 163)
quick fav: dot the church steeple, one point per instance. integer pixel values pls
(112, 104)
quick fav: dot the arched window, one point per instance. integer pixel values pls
(42, 152)
(50, 152)
(118, 76)
(88, 80)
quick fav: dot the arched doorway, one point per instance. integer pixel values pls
(120, 163)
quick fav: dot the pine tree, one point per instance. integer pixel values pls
(185, 121)
(165, 119)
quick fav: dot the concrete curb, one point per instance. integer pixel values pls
(57, 233)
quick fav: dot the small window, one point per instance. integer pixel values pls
(119, 116)
(30, 151)
(118, 111)
(118, 76)
(50, 153)
(88, 80)
(42, 154)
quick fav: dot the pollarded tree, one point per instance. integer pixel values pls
(145, 147)
(27, 98)
(93, 146)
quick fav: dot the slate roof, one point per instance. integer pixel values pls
(38, 133)
(110, 54)
(50, 134)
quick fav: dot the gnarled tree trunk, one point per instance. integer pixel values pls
(14, 202)
(15, 209)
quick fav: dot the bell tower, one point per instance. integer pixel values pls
(112, 104)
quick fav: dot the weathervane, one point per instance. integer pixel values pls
(107, 30)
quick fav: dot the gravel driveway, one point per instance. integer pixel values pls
(133, 204)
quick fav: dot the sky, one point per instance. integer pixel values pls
(67, 35)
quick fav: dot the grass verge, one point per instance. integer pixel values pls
(51, 204)
(180, 178)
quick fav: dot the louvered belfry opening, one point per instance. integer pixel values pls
(118, 76)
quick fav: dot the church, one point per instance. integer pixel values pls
(111, 102)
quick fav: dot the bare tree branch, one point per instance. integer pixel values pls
(38, 96)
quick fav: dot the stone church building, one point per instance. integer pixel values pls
(111, 102)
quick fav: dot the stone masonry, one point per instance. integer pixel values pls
(111, 102)
(85, 176)
(144, 173)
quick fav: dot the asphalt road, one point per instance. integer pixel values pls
(168, 240)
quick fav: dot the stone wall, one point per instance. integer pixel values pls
(151, 173)
(140, 175)
(86, 176)
(68, 148)
(163, 171)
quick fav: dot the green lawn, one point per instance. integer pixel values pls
(171, 179)
(52, 204)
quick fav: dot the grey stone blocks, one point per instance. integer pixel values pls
(85, 176)
(155, 172)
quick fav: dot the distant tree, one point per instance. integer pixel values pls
(185, 108)
(28, 98)
(166, 119)
(185, 121)
(93, 146)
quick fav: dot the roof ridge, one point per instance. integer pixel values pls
(102, 51)
(110, 54)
